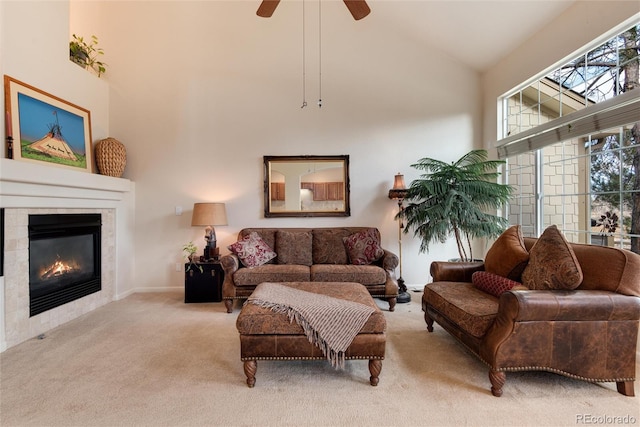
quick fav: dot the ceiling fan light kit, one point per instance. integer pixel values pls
(358, 8)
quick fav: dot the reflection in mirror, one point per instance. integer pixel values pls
(306, 186)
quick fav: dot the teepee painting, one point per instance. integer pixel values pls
(50, 129)
(53, 143)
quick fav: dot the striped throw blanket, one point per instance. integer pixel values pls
(329, 323)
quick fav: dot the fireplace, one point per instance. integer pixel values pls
(64, 259)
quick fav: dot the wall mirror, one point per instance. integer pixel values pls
(305, 186)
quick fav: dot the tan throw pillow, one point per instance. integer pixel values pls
(552, 263)
(508, 256)
(294, 247)
(364, 247)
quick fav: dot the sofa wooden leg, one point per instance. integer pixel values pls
(626, 388)
(429, 321)
(250, 368)
(375, 367)
(228, 303)
(497, 379)
(392, 304)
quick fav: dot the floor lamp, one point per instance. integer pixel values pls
(399, 192)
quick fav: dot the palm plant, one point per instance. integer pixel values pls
(454, 199)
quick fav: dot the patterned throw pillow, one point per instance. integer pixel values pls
(492, 283)
(252, 250)
(552, 263)
(508, 256)
(364, 247)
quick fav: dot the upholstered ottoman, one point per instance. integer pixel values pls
(266, 334)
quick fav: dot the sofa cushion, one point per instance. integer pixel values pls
(252, 250)
(508, 255)
(552, 263)
(294, 247)
(364, 274)
(492, 283)
(364, 247)
(468, 307)
(328, 246)
(271, 273)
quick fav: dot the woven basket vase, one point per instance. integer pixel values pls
(111, 157)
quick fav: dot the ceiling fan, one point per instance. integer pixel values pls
(358, 8)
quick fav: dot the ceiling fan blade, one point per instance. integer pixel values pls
(267, 7)
(358, 8)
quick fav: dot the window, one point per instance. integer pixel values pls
(572, 144)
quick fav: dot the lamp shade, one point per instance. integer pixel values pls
(399, 190)
(209, 214)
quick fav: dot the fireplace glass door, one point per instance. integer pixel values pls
(64, 259)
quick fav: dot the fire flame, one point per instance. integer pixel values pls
(58, 268)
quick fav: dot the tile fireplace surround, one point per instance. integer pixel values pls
(28, 188)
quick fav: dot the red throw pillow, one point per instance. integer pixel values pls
(252, 250)
(492, 283)
(364, 247)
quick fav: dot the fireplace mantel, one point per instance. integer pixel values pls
(27, 188)
(26, 184)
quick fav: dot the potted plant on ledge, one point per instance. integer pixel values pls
(456, 199)
(85, 54)
(608, 224)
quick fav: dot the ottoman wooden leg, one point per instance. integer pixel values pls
(228, 303)
(250, 368)
(375, 366)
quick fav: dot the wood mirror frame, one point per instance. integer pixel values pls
(315, 186)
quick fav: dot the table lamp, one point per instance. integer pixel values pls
(209, 215)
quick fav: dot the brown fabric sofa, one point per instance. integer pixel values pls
(319, 255)
(589, 333)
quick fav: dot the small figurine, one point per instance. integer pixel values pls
(210, 238)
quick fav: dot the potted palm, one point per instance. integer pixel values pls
(455, 199)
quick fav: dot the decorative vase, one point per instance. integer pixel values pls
(111, 157)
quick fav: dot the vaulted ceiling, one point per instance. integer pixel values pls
(476, 32)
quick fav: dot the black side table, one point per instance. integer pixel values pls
(205, 286)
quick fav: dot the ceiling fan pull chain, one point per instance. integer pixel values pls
(304, 73)
(319, 54)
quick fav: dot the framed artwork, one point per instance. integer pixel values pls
(45, 128)
(306, 186)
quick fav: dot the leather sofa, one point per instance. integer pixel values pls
(588, 333)
(310, 255)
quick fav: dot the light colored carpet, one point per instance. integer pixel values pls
(151, 360)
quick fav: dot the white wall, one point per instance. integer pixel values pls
(200, 91)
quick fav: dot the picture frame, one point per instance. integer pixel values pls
(43, 128)
(306, 186)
